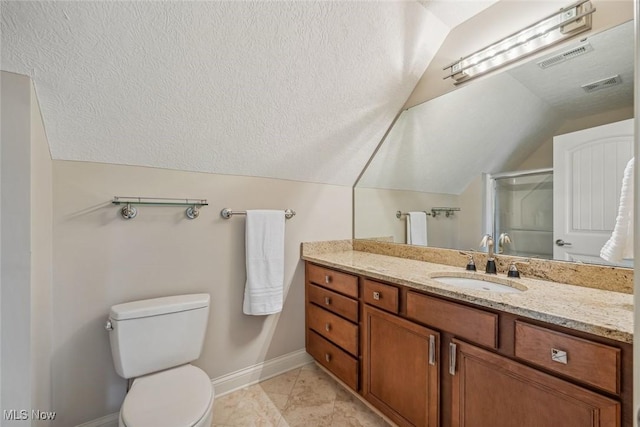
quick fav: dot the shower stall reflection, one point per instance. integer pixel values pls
(523, 213)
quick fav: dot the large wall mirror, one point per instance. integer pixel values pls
(487, 148)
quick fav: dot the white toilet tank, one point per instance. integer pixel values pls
(155, 334)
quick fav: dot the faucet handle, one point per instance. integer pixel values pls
(487, 240)
(471, 265)
(504, 239)
(513, 270)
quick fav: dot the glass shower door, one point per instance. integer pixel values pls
(523, 210)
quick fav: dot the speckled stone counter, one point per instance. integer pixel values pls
(597, 311)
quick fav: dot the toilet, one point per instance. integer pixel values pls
(153, 342)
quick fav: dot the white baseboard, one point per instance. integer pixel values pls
(110, 420)
(235, 380)
(260, 372)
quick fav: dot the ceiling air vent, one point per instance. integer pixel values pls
(602, 84)
(565, 56)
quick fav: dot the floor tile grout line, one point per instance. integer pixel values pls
(281, 411)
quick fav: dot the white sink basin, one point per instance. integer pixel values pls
(489, 283)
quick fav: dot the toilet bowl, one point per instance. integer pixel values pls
(153, 342)
(177, 397)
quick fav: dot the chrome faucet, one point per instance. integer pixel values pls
(487, 242)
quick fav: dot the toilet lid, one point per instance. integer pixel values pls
(175, 397)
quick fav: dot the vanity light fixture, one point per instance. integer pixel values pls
(566, 23)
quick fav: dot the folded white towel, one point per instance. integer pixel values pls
(417, 228)
(264, 236)
(620, 245)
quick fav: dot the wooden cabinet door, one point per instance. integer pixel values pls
(400, 372)
(492, 391)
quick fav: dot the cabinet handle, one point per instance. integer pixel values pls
(327, 300)
(432, 350)
(327, 326)
(559, 356)
(452, 358)
(327, 357)
(327, 279)
(376, 296)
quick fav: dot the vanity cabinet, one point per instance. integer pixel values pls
(332, 322)
(401, 368)
(426, 361)
(492, 390)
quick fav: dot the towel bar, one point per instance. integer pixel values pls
(434, 212)
(227, 213)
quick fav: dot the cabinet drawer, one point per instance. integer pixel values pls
(475, 325)
(340, 282)
(336, 329)
(381, 295)
(339, 304)
(334, 359)
(587, 361)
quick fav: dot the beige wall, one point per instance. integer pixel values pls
(41, 258)
(26, 251)
(15, 268)
(375, 215)
(543, 156)
(471, 225)
(101, 259)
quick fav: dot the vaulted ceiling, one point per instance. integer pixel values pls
(293, 90)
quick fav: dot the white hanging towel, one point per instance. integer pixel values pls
(620, 244)
(417, 228)
(264, 236)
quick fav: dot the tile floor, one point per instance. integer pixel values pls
(305, 396)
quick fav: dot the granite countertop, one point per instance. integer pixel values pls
(600, 312)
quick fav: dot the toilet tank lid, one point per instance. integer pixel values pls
(157, 306)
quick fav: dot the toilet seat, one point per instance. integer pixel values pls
(180, 396)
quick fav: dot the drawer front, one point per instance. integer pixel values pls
(381, 295)
(340, 282)
(332, 301)
(334, 359)
(587, 361)
(334, 328)
(472, 324)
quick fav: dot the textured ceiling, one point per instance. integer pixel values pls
(612, 54)
(455, 12)
(292, 90)
(493, 125)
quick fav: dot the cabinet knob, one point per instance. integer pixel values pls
(327, 279)
(559, 356)
(327, 357)
(327, 300)
(376, 296)
(327, 326)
